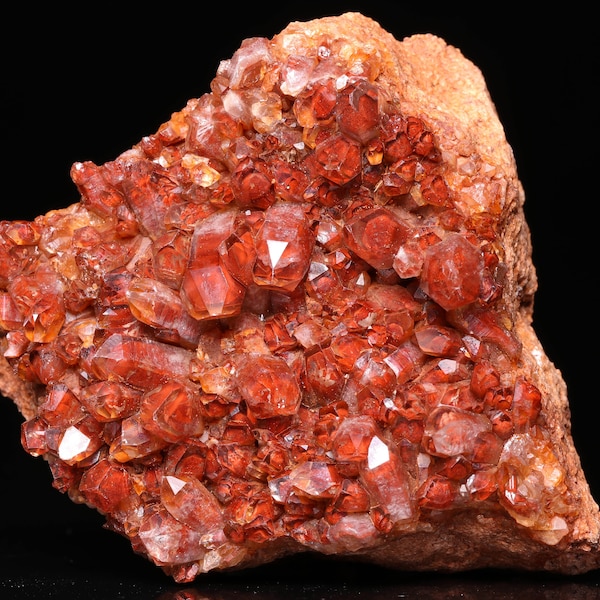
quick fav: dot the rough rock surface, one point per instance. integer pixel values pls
(298, 318)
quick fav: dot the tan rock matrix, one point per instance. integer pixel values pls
(298, 318)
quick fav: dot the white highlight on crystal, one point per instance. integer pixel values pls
(341, 82)
(559, 524)
(175, 484)
(73, 443)
(378, 453)
(448, 366)
(212, 285)
(392, 365)
(423, 460)
(315, 270)
(276, 249)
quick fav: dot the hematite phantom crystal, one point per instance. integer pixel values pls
(298, 317)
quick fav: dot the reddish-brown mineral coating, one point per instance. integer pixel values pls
(290, 319)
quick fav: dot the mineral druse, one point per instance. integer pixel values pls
(296, 317)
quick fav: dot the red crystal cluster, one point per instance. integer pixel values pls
(275, 320)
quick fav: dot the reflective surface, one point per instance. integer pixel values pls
(88, 563)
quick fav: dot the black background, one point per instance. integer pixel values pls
(88, 81)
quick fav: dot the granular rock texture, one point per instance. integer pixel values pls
(298, 318)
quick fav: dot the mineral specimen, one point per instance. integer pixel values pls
(298, 318)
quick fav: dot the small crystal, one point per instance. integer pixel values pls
(385, 477)
(168, 541)
(141, 362)
(452, 272)
(284, 246)
(191, 503)
(268, 385)
(73, 444)
(376, 236)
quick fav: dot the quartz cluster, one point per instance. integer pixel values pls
(280, 323)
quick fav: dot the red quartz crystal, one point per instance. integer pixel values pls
(270, 319)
